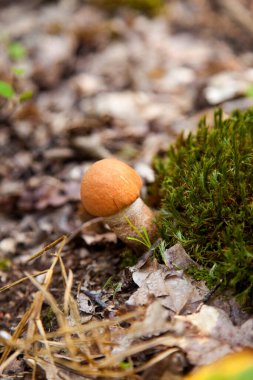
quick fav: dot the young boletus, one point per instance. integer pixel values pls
(111, 189)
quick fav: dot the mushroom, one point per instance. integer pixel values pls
(111, 189)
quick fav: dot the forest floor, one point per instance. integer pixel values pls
(88, 83)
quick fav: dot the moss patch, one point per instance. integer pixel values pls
(207, 199)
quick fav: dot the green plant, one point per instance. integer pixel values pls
(114, 286)
(25, 95)
(6, 90)
(15, 51)
(142, 233)
(206, 183)
(161, 251)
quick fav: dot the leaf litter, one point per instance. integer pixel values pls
(97, 348)
(107, 85)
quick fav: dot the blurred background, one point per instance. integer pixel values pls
(84, 80)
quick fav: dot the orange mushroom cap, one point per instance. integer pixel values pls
(109, 186)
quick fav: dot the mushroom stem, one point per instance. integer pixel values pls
(139, 215)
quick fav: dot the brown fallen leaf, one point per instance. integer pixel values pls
(176, 257)
(154, 323)
(204, 336)
(96, 233)
(173, 288)
(210, 334)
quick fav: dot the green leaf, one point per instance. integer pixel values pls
(26, 95)
(6, 90)
(108, 283)
(16, 51)
(144, 238)
(162, 250)
(136, 239)
(147, 239)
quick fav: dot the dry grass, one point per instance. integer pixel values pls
(91, 349)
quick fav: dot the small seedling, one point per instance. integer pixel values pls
(115, 286)
(15, 51)
(8, 92)
(142, 234)
(161, 249)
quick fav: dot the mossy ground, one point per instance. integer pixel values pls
(207, 201)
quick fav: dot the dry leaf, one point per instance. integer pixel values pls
(173, 288)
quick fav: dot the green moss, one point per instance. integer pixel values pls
(149, 7)
(207, 200)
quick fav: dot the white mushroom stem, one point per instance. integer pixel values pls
(139, 215)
